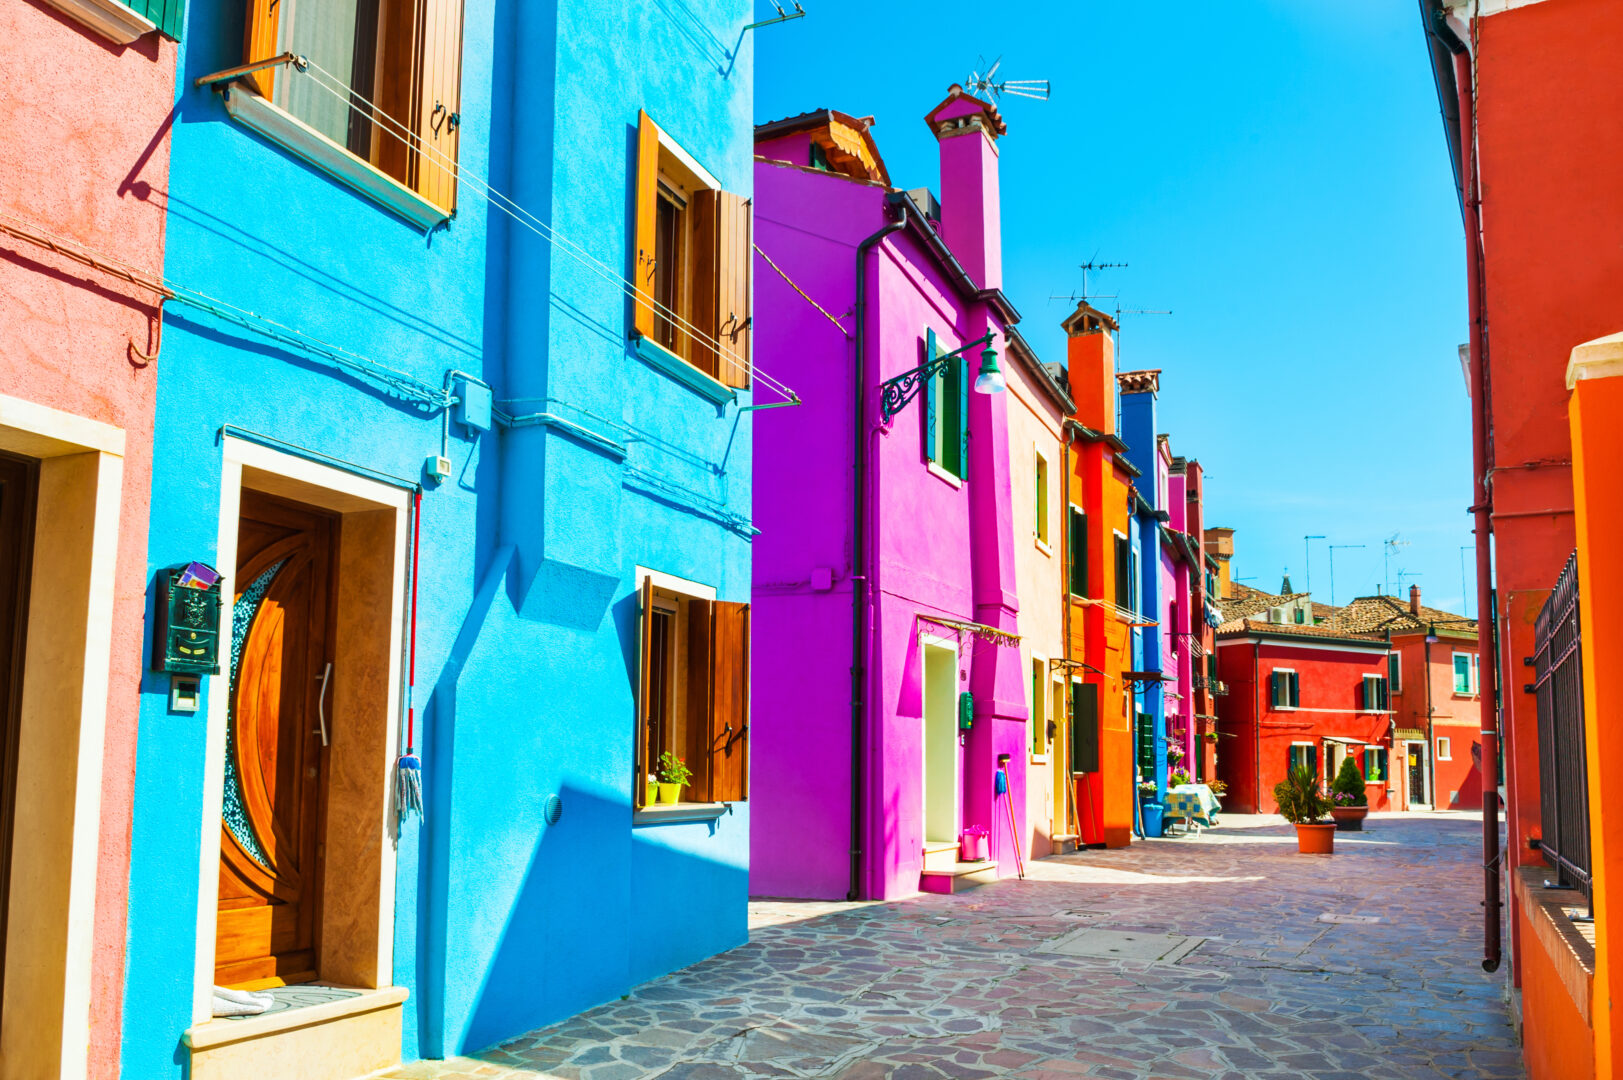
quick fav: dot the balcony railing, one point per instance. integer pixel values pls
(1562, 760)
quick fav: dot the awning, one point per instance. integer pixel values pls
(1344, 740)
(1405, 734)
(980, 630)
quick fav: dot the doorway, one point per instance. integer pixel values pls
(1059, 753)
(1416, 755)
(940, 743)
(278, 730)
(19, 481)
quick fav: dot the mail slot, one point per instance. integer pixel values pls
(187, 637)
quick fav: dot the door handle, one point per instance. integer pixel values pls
(321, 704)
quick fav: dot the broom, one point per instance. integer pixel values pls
(408, 781)
(1001, 785)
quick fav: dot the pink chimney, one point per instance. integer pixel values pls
(971, 213)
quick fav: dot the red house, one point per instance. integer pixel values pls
(1300, 694)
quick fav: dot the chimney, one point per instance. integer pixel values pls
(1090, 367)
(1414, 600)
(967, 130)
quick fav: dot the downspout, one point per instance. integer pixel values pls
(1256, 721)
(1068, 773)
(1463, 150)
(861, 594)
(1431, 734)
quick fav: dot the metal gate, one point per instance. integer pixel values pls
(1562, 760)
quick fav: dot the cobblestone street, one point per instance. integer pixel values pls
(1277, 985)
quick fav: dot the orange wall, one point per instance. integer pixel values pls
(1556, 1042)
(1456, 717)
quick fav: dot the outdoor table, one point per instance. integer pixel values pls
(1194, 803)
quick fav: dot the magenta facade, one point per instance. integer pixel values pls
(866, 545)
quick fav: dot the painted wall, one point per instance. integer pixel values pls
(527, 648)
(85, 167)
(1256, 737)
(1138, 431)
(1455, 717)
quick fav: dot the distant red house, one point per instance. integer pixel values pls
(1300, 694)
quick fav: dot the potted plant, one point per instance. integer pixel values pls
(1219, 788)
(1349, 805)
(1178, 778)
(1301, 804)
(650, 791)
(673, 776)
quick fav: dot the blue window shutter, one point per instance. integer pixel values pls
(168, 14)
(929, 399)
(960, 368)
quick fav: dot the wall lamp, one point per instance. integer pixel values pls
(896, 393)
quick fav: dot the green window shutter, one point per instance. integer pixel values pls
(960, 372)
(1146, 745)
(1079, 553)
(1462, 673)
(1392, 672)
(931, 396)
(1296, 691)
(1313, 759)
(1273, 689)
(1084, 727)
(167, 14)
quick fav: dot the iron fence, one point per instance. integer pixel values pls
(1562, 760)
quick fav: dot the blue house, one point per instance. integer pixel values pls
(455, 399)
(1138, 390)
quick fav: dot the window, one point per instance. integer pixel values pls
(1300, 615)
(384, 81)
(1445, 748)
(946, 413)
(1375, 764)
(1211, 666)
(692, 269)
(1124, 572)
(1373, 697)
(1394, 672)
(1039, 708)
(694, 693)
(1172, 626)
(1079, 552)
(1084, 727)
(819, 157)
(1304, 756)
(1285, 689)
(1041, 471)
(1465, 673)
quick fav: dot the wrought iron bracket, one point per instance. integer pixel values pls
(897, 392)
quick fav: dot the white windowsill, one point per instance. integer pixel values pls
(672, 813)
(109, 18)
(942, 474)
(219, 1031)
(658, 356)
(294, 135)
(1039, 759)
(1042, 546)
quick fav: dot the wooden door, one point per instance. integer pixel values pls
(18, 485)
(276, 763)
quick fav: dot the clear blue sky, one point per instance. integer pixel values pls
(1276, 175)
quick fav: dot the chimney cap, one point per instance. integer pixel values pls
(1137, 382)
(1086, 319)
(961, 105)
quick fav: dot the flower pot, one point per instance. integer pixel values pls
(972, 847)
(1316, 839)
(650, 793)
(670, 793)
(1349, 818)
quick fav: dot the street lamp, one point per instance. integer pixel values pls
(897, 392)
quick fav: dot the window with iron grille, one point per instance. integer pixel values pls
(1562, 759)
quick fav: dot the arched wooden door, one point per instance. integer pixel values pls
(275, 771)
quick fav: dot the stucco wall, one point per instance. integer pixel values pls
(85, 166)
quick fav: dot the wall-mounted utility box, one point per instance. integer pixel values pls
(187, 635)
(473, 407)
(966, 711)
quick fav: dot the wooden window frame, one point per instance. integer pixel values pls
(1041, 703)
(1039, 468)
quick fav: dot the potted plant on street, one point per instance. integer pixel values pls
(1349, 805)
(673, 776)
(1301, 804)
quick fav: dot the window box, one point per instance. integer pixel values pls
(678, 813)
(109, 18)
(292, 134)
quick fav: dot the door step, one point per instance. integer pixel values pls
(1065, 843)
(961, 876)
(940, 854)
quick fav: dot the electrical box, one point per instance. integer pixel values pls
(966, 711)
(186, 638)
(473, 407)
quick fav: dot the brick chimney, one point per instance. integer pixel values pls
(1090, 367)
(967, 130)
(1414, 600)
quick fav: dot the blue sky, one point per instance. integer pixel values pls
(1275, 173)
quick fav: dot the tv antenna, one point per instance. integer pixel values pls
(1389, 548)
(1091, 266)
(994, 87)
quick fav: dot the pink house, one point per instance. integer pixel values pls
(887, 679)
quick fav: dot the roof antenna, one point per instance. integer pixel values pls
(990, 85)
(1088, 267)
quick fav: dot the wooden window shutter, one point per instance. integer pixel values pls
(167, 14)
(1084, 727)
(645, 212)
(439, 101)
(735, 251)
(1393, 671)
(1296, 690)
(930, 395)
(1274, 682)
(693, 735)
(729, 702)
(1078, 553)
(960, 371)
(640, 732)
(260, 43)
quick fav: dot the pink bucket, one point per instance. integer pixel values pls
(972, 846)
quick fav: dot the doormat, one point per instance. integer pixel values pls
(1332, 917)
(1123, 945)
(288, 998)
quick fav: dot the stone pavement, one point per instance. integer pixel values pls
(970, 985)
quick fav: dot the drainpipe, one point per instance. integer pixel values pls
(1460, 114)
(1068, 773)
(1431, 734)
(1256, 722)
(861, 591)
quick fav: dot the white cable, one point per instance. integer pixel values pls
(483, 188)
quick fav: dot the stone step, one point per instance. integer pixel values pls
(961, 876)
(940, 854)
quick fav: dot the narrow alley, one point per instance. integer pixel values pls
(1265, 964)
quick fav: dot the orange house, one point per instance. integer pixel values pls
(1097, 633)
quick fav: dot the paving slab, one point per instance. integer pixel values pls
(1223, 954)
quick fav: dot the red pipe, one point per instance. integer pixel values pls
(1483, 513)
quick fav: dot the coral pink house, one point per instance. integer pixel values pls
(86, 132)
(886, 541)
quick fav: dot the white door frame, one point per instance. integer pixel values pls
(928, 641)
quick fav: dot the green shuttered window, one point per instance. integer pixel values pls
(946, 413)
(167, 14)
(1079, 552)
(1084, 727)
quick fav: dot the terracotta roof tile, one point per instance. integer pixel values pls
(1388, 613)
(1136, 382)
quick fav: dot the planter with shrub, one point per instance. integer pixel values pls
(1301, 804)
(1348, 803)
